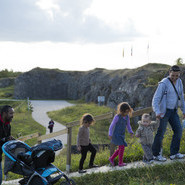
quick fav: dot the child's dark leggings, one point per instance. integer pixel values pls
(84, 150)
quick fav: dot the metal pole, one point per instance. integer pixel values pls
(68, 162)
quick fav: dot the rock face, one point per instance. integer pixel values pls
(5, 82)
(128, 85)
(46, 84)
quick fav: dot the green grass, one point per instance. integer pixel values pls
(155, 175)
(155, 78)
(5, 73)
(134, 152)
(74, 113)
(22, 124)
(99, 131)
(6, 92)
(159, 175)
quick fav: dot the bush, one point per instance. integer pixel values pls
(6, 73)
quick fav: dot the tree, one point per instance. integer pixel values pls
(179, 61)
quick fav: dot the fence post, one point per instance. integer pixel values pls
(28, 101)
(69, 136)
(39, 141)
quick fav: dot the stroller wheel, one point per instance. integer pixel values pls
(70, 182)
(36, 180)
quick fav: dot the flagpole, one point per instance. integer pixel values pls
(148, 52)
(131, 54)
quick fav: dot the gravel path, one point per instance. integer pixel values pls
(104, 169)
(39, 114)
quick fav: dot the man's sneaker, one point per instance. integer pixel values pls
(82, 171)
(159, 158)
(177, 156)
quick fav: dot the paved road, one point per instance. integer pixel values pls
(39, 114)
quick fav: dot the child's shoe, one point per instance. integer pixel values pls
(144, 159)
(149, 161)
(159, 158)
(111, 162)
(82, 171)
(93, 166)
(122, 164)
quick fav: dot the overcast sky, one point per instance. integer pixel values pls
(85, 34)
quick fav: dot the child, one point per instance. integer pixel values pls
(117, 131)
(145, 134)
(84, 143)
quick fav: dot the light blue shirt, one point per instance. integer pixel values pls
(165, 88)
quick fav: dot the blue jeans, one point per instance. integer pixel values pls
(172, 117)
(1, 176)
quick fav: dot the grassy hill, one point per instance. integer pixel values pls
(159, 175)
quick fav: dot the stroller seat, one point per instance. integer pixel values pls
(25, 157)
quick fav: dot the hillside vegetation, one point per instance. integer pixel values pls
(6, 73)
(158, 175)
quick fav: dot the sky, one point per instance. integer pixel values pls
(80, 35)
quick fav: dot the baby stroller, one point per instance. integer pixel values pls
(34, 163)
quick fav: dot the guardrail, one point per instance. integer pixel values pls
(68, 130)
(27, 137)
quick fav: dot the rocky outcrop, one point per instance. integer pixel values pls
(46, 84)
(128, 85)
(5, 82)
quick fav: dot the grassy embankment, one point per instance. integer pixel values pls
(161, 175)
(7, 92)
(98, 133)
(22, 124)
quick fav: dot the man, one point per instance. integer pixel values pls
(6, 117)
(167, 98)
